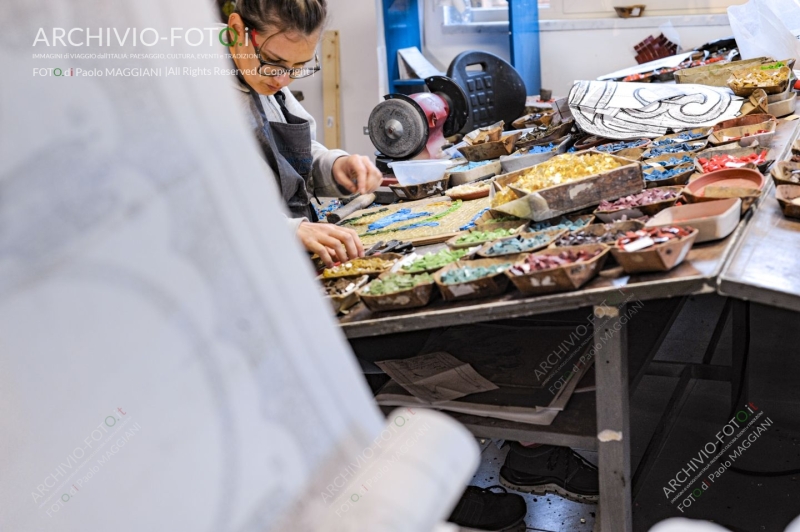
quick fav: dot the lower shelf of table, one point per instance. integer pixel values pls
(575, 427)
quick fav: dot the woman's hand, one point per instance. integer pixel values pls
(331, 242)
(357, 174)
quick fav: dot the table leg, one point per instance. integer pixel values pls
(613, 418)
(740, 352)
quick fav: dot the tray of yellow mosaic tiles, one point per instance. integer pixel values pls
(565, 184)
(423, 222)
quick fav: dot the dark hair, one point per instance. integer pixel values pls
(301, 16)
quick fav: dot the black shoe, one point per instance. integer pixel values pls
(550, 469)
(484, 509)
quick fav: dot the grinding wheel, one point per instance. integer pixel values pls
(398, 127)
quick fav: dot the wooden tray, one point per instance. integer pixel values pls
(487, 221)
(512, 163)
(677, 180)
(782, 171)
(574, 196)
(561, 279)
(659, 258)
(651, 209)
(785, 194)
(493, 285)
(643, 144)
(491, 150)
(552, 234)
(415, 297)
(418, 192)
(483, 192)
(634, 154)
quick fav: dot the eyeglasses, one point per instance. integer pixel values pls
(274, 70)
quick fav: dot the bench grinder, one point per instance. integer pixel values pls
(403, 127)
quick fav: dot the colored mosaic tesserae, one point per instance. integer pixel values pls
(469, 273)
(358, 267)
(557, 171)
(478, 237)
(434, 261)
(396, 282)
(653, 195)
(645, 238)
(535, 263)
(518, 244)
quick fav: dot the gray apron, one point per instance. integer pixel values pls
(287, 149)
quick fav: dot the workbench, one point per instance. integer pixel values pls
(756, 263)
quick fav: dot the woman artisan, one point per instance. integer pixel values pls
(273, 42)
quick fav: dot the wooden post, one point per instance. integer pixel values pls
(613, 421)
(330, 90)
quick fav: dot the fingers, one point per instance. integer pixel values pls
(374, 177)
(330, 242)
(341, 174)
(358, 173)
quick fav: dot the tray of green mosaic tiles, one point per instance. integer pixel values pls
(486, 286)
(537, 241)
(413, 297)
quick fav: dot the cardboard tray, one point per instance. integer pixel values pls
(745, 136)
(642, 145)
(784, 72)
(783, 107)
(574, 196)
(561, 279)
(716, 74)
(651, 209)
(659, 258)
(415, 297)
(455, 194)
(706, 131)
(785, 194)
(475, 174)
(394, 257)
(601, 229)
(554, 133)
(491, 150)
(512, 163)
(421, 191)
(694, 147)
(349, 299)
(678, 180)
(736, 151)
(451, 243)
(485, 287)
(782, 171)
(713, 220)
(552, 234)
(669, 156)
(486, 221)
(747, 120)
(533, 120)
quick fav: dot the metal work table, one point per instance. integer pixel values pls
(736, 264)
(765, 267)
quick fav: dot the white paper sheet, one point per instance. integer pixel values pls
(156, 369)
(636, 110)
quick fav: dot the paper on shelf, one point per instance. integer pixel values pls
(436, 377)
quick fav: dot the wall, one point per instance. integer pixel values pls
(362, 85)
(571, 48)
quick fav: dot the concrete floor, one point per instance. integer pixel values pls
(738, 502)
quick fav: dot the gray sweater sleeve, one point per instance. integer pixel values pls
(322, 167)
